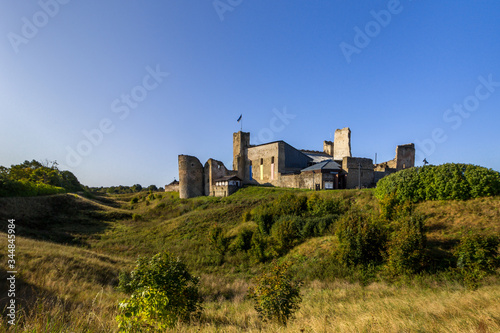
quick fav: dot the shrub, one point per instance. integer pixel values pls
(134, 200)
(263, 216)
(317, 206)
(406, 249)
(243, 241)
(286, 233)
(442, 182)
(318, 226)
(288, 204)
(362, 239)
(477, 256)
(259, 245)
(275, 295)
(163, 292)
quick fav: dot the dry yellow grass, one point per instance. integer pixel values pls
(447, 220)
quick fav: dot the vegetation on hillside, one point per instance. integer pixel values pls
(363, 264)
(34, 178)
(452, 181)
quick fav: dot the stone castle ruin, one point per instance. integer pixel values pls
(279, 164)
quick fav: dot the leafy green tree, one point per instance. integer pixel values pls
(275, 294)
(137, 188)
(163, 293)
(152, 188)
(33, 178)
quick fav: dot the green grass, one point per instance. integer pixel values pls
(70, 251)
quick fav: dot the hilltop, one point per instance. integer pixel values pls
(71, 250)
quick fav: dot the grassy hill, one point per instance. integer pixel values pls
(71, 249)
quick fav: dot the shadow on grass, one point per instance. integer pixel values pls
(63, 219)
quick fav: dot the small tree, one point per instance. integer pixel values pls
(275, 295)
(406, 249)
(362, 239)
(163, 292)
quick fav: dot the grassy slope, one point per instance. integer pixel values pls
(71, 249)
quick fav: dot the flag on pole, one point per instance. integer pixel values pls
(239, 118)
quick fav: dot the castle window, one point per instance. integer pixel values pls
(272, 168)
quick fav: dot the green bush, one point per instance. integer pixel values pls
(134, 200)
(287, 204)
(362, 239)
(318, 206)
(259, 246)
(477, 256)
(163, 293)
(407, 246)
(276, 296)
(318, 226)
(442, 182)
(243, 241)
(286, 233)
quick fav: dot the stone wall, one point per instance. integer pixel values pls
(262, 157)
(190, 177)
(342, 144)
(301, 180)
(172, 187)
(350, 165)
(213, 170)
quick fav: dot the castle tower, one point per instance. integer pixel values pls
(342, 143)
(241, 142)
(405, 156)
(328, 148)
(190, 177)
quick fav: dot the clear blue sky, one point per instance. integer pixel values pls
(395, 72)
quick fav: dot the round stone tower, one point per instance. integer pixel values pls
(190, 177)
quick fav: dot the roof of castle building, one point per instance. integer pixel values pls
(325, 165)
(317, 156)
(225, 178)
